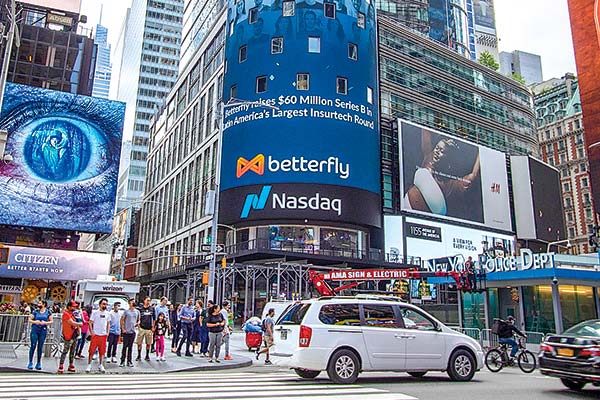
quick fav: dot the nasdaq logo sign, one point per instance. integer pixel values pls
(256, 201)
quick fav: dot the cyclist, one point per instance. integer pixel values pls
(506, 332)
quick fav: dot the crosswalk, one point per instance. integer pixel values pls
(198, 385)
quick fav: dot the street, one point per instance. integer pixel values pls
(259, 382)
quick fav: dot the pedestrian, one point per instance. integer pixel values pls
(187, 317)
(85, 318)
(204, 329)
(70, 329)
(268, 325)
(174, 312)
(114, 333)
(162, 307)
(160, 329)
(98, 329)
(39, 320)
(146, 327)
(216, 324)
(196, 337)
(225, 311)
(129, 321)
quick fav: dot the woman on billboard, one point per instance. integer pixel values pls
(448, 170)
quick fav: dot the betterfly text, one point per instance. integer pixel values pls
(286, 201)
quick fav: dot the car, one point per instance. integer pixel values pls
(573, 356)
(347, 335)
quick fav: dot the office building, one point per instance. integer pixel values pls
(562, 144)
(199, 17)
(527, 65)
(484, 21)
(102, 72)
(52, 55)
(144, 71)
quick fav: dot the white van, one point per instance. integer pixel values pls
(347, 335)
(89, 292)
(278, 305)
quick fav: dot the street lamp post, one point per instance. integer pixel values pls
(215, 221)
(567, 241)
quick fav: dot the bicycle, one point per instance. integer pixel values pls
(497, 358)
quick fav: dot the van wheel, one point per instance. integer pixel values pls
(306, 373)
(418, 374)
(343, 367)
(573, 385)
(461, 366)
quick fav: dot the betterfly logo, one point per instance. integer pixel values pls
(285, 201)
(330, 165)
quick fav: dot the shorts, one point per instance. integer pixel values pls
(268, 341)
(144, 333)
(98, 342)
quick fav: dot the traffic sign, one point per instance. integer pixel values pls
(206, 248)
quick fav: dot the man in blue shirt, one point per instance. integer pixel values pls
(188, 315)
(114, 333)
(163, 308)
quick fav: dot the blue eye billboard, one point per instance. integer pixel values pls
(301, 134)
(66, 150)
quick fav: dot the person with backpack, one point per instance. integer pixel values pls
(505, 331)
(267, 327)
(70, 336)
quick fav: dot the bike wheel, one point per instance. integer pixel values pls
(527, 361)
(493, 360)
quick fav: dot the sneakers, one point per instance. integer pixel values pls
(217, 360)
(114, 359)
(163, 358)
(147, 358)
(71, 368)
(95, 356)
(268, 362)
(38, 366)
(228, 358)
(178, 353)
(257, 354)
(189, 355)
(88, 369)
(61, 369)
(138, 358)
(108, 361)
(101, 368)
(129, 364)
(122, 364)
(210, 360)
(30, 365)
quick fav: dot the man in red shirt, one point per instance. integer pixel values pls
(70, 334)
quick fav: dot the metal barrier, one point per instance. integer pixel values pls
(15, 329)
(489, 340)
(475, 333)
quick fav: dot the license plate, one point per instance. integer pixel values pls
(283, 335)
(565, 352)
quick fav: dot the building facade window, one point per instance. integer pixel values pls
(233, 92)
(314, 44)
(361, 20)
(369, 95)
(302, 81)
(277, 45)
(253, 15)
(242, 53)
(329, 10)
(352, 51)
(584, 182)
(261, 84)
(288, 8)
(341, 85)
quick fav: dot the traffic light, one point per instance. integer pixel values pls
(205, 276)
(223, 262)
(593, 239)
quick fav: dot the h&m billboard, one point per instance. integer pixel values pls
(585, 27)
(446, 177)
(304, 142)
(66, 150)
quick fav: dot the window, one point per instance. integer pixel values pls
(302, 81)
(415, 320)
(288, 8)
(582, 167)
(277, 45)
(584, 182)
(369, 95)
(314, 44)
(566, 187)
(352, 51)
(294, 314)
(340, 314)
(233, 92)
(253, 15)
(565, 172)
(261, 84)
(242, 53)
(571, 232)
(231, 27)
(568, 202)
(380, 316)
(341, 85)
(329, 10)
(360, 20)
(586, 199)
(580, 153)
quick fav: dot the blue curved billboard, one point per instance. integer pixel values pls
(301, 138)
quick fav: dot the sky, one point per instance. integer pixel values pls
(536, 26)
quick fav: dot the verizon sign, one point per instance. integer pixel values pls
(72, 6)
(366, 274)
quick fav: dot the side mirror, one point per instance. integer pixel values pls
(438, 327)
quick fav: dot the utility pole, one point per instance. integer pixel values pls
(10, 39)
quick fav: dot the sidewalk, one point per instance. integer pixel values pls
(16, 360)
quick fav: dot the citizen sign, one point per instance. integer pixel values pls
(527, 260)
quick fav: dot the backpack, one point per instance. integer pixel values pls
(263, 325)
(498, 326)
